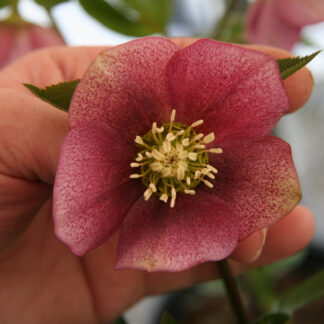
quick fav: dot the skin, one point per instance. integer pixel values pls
(40, 280)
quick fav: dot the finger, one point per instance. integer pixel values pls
(299, 86)
(31, 133)
(289, 236)
(60, 63)
(250, 249)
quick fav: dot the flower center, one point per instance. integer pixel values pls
(174, 159)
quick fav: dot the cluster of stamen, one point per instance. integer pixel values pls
(174, 159)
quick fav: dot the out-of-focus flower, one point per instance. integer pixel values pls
(203, 171)
(17, 39)
(279, 22)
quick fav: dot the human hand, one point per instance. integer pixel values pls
(41, 281)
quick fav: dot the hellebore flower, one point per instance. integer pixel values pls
(279, 22)
(172, 147)
(21, 38)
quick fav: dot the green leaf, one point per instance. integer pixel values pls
(50, 3)
(123, 18)
(168, 319)
(290, 65)
(302, 295)
(119, 320)
(155, 13)
(4, 3)
(58, 95)
(274, 318)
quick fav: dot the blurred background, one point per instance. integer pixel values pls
(26, 25)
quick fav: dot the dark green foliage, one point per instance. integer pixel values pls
(58, 95)
(130, 17)
(290, 65)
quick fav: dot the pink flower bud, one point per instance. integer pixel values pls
(18, 40)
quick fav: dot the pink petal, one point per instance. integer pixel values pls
(92, 191)
(156, 237)
(301, 12)
(265, 25)
(125, 87)
(258, 180)
(237, 91)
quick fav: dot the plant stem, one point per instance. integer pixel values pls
(231, 4)
(53, 22)
(232, 291)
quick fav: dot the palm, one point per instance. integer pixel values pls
(41, 281)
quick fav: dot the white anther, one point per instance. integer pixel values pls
(148, 154)
(204, 171)
(172, 118)
(166, 146)
(164, 197)
(134, 165)
(209, 138)
(198, 137)
(158, 155)
(183, 164)
(160, 130)
(170, 137)
(192, 156)
(197, 123)
(197, 174)
(139, 157)
(180, 132)
(185, 141)
(215, 150)
(139, 140)
(207, 183)
(211, 168)
(147, 193)
(179, 147)
(156, 166)
(135, 176)
(183, 155)
(173, 197)
(152, 186)
(166, 172)
(199, 146)
(189, 192)
(210, 175)
(180, 173)
(188, 180)
(154, 127)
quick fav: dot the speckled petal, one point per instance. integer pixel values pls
(125, 87)
(238, 92)
(258, 180)
(155, 237)
(92, 191)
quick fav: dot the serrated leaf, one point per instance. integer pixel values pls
(168, 319)
(290, 65)
(58, 95)
(50, 3)
(125, 20)
(119, 320)
(302, 295)
(274, 318)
